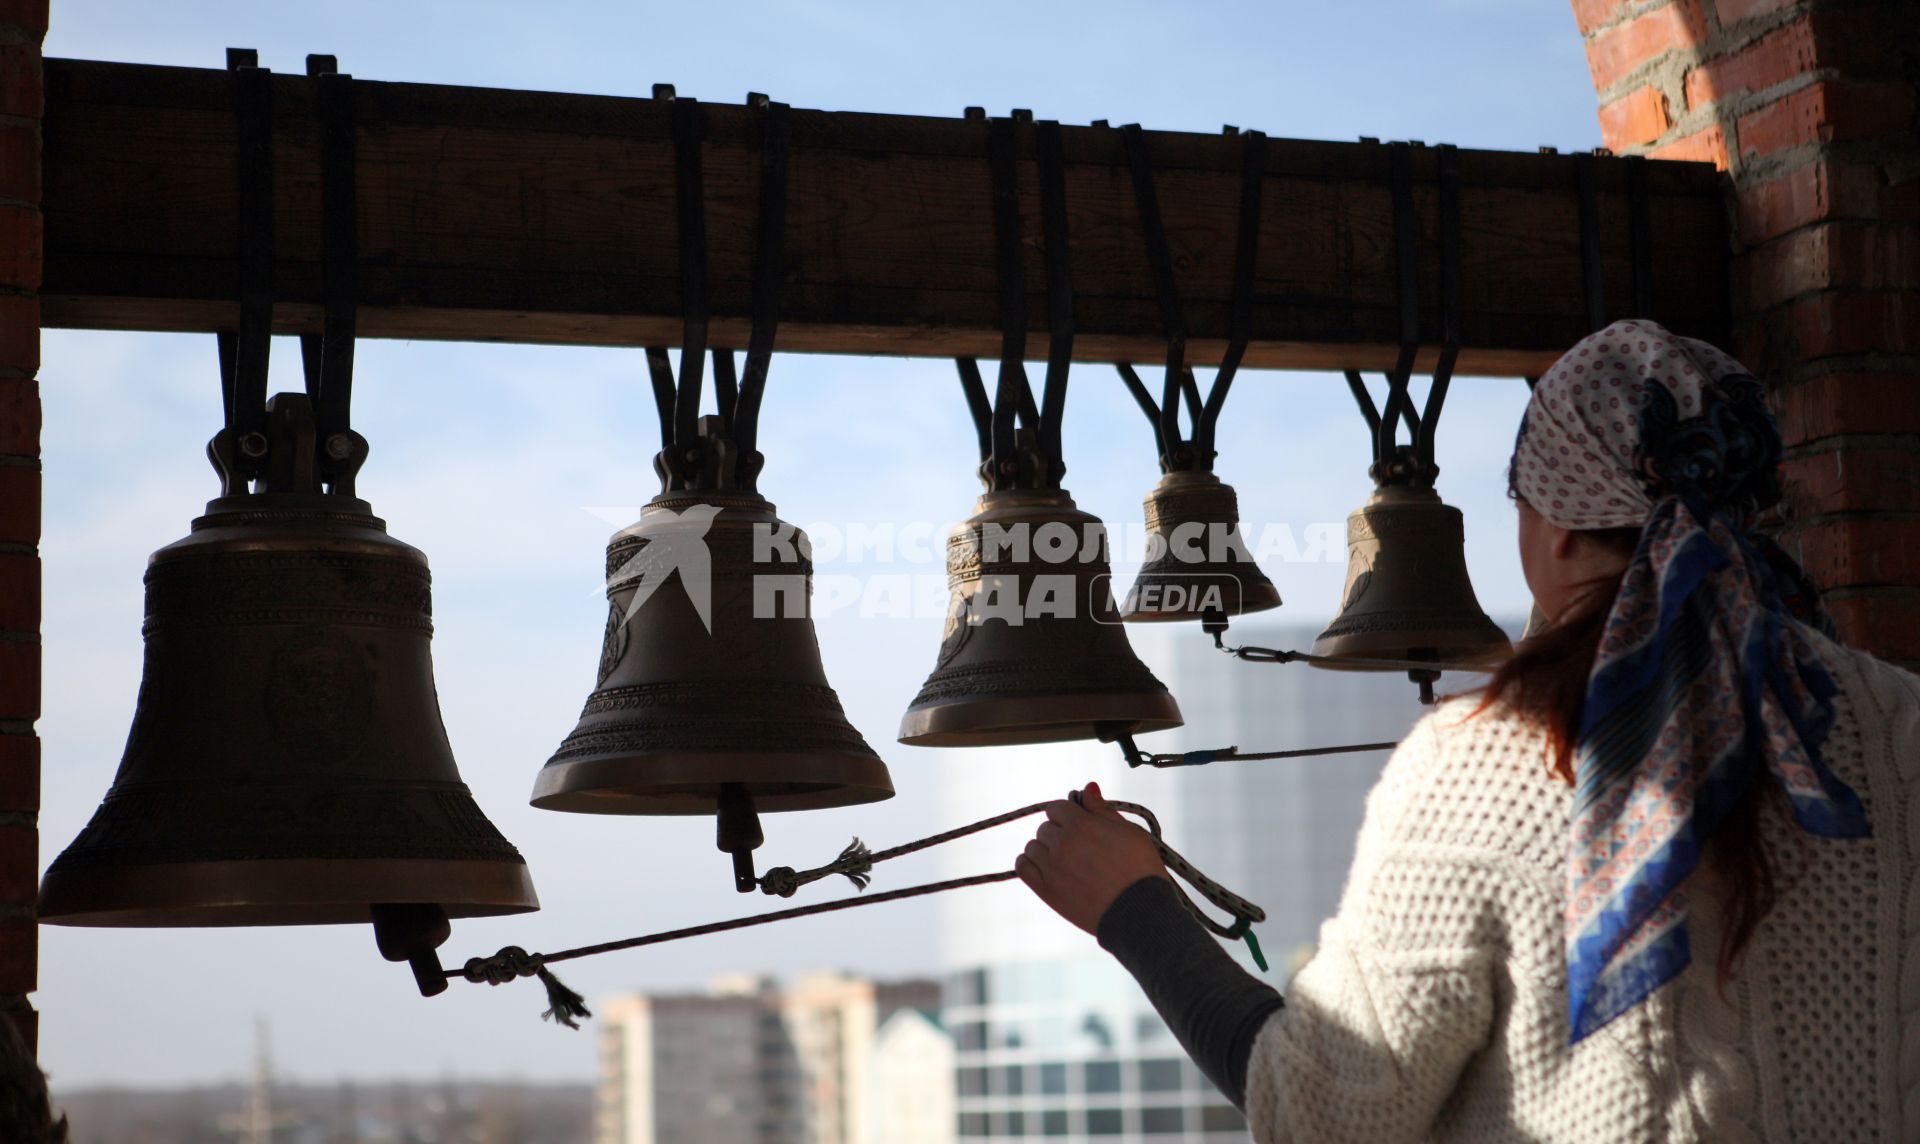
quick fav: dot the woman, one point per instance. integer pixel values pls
(1660, 880)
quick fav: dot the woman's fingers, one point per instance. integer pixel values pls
(1029, 871)
(1049, 834)
(1063, 812)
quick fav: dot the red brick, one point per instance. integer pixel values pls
(1881, 621)
(19, 683)
(1857, 256)
(1734, 11)
(20, 81)
(1846, 553)
(1852, 479)
(19, 416)
(20, 163)
(1706, 146)
(19, 340)
(20, 247)
(1855, 322)
(1826, 188)
(1772, 59)
(20, 772)
(1615, 53)
(19, 955)
(1592, 15)
(30, 16)
(19, 865)
(1849, 403)
(19, 592)
(19, 505)
(1826, 113)
(1633, 119)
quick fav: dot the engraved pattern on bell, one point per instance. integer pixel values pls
(319, 697)
(615, 644)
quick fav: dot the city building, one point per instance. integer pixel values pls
(910, 1088)
(1053, 1040)
(747, 1061)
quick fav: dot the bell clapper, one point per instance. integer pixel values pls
(737, 832)
(1122, 733)
(1213, 621)
(411, 932)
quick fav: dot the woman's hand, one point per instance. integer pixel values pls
(1084, 855)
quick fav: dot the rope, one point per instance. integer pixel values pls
(1358, 663)
(1234, 754)
(856, 863)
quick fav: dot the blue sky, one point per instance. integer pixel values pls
(509, 466)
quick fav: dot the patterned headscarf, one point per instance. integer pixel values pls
(1702, 683)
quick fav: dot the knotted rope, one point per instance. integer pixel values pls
(856, 863)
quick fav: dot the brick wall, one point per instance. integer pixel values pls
(23, 24)
(1811, 108)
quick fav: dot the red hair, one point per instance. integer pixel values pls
(1546, 681)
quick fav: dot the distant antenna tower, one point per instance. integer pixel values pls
(258, 1128)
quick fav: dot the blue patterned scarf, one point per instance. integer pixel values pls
(1704, 680)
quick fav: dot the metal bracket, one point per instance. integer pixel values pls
(239, 451)
(328, 356)
(1197, 451)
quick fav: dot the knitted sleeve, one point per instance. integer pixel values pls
(1400, 992)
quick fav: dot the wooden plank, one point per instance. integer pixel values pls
(530, 216)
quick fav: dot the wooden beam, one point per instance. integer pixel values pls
(491, 215)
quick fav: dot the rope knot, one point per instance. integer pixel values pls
(780, 881)
(510, 963)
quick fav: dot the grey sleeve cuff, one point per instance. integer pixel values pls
(1214, 1008)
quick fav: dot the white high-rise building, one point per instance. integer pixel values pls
(910, 1085)
(751, 1063)
(1053, 1039)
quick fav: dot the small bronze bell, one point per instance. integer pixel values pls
(287, 763)
(1198, 567)
(710, 675)
(1407, 592)
(1034, 652)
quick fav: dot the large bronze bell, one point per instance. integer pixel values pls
(710, 685)
(287, 763)
(1407, 592)
(1034, 652)
(1198, 566)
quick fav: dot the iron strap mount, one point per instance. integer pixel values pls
(1019, 440)
(1194, 452)
(719, 451)
(244, 452)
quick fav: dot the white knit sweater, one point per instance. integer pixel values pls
(1436, 1005)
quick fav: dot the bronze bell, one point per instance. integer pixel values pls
(710, 684)
(1034, 652)
(1407, 593)
(287, 763)
(1198, 566)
